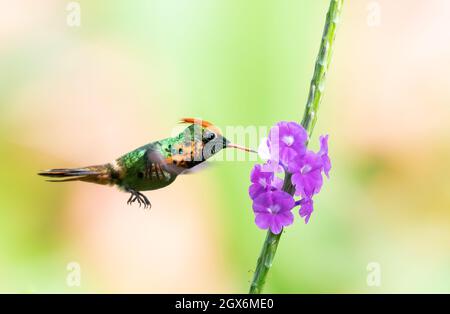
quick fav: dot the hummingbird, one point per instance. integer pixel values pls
(154, 165)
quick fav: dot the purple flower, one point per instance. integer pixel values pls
(272, 166)
(306, 208)
(323, 152)
(262, 181)
(285, 151)
(307, 176)
(273, 210)
(286, 141)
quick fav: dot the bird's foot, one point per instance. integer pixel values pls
(140, 198)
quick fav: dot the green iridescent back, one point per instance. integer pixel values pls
(139, 172)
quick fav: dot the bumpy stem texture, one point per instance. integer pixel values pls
(317, 86)
(321, 68)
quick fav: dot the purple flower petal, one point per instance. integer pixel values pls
(263, 221)
(272, 166)
(261, 203)
(275, 226)
(277, 183)
(257, 174)
(323, 152)
(255, 190)
(307, 184)
(307, 177)
(306, 208)
(263, 179)
(285, 218)
(286, 141)
(273, 210)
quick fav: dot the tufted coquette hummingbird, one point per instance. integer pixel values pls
(155, 165)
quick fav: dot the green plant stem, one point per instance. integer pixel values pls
(316, 89)
(322, 64)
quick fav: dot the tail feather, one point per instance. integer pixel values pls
(67, 180)
(62, 173)
(96, 174)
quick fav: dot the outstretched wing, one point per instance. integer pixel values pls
(159, 165)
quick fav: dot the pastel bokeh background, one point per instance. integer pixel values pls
(75, 96)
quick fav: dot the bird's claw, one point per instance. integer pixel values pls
(140, 198)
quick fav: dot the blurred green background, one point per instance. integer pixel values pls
(75, 96)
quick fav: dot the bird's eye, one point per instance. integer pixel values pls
(210, 136)
(180, 151)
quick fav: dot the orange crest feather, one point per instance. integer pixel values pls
(202, 123)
